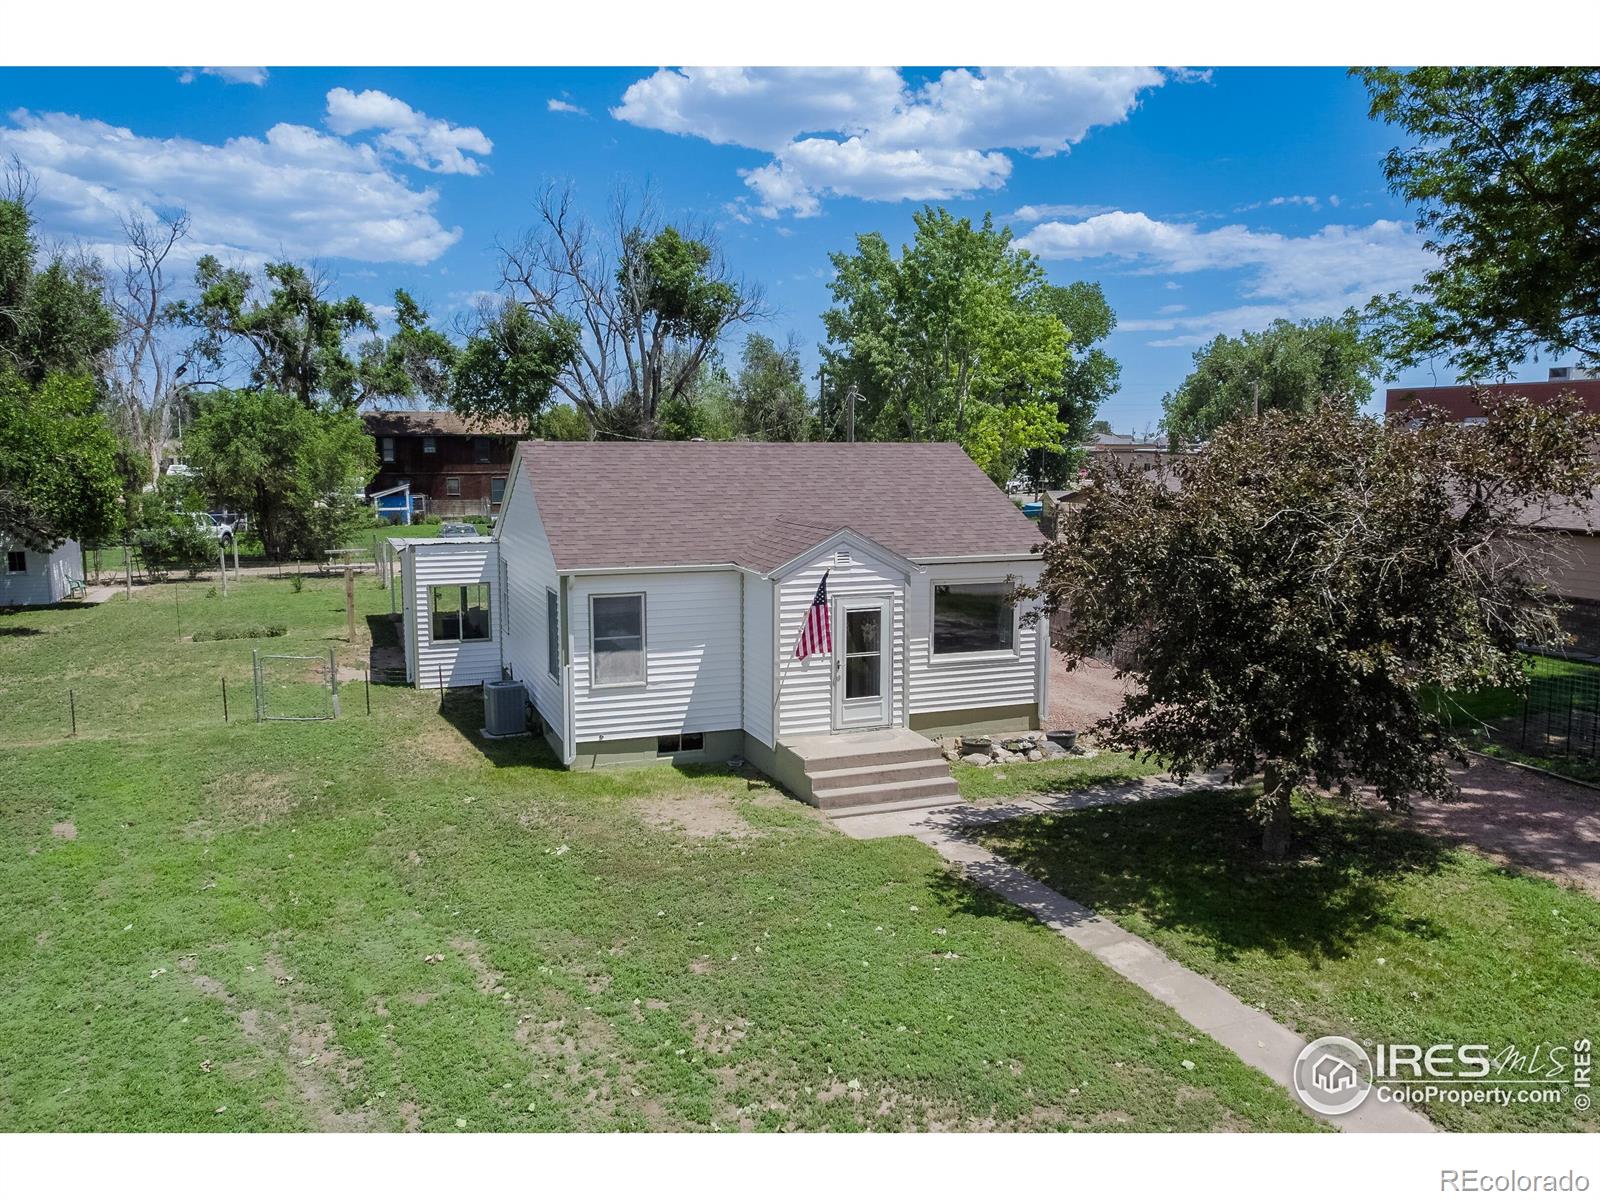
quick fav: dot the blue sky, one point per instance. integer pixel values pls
(1203, 201)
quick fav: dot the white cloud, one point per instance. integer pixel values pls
(1029, 214)
(423, 141)
(254, 76)
(1282, 276)
(563, 106)
(867, 133)
(297, 192)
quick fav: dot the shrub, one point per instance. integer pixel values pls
(297, 583)
(241, 633)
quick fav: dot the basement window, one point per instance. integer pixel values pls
(680, 743)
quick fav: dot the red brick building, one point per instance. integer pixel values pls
(460, 466)
(1461, 400)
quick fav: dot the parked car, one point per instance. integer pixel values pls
(458, 529)
(208, 524)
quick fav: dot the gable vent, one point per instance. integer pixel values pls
(841, 558)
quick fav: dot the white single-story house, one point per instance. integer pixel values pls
(33, 577)
(650, 595)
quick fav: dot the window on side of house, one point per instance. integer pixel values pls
(460, 612)
(430, 445)
(552, 632)
(497, 489)
(616, 639)
(16, 562)
(480, 450)
(452, 485)
(387, 445)
(973, 618)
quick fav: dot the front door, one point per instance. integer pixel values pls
(861, 660)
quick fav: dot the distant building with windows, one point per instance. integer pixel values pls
(453, 466)
(1464, 401)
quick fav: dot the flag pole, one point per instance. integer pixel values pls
(777, 692)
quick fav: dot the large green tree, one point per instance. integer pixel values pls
(1090, 378)
(509, 366)
(956, 339)
(287, 331)
(1503, 168)
(769, 399)
(58, 461)
(297, 471)
(1294, 599)
(647, 300)
(1287, 367)
(58, 456)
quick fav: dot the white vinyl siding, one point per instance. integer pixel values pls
(530, 574)
(45, 580)
(691, 656)
(941, 683)
(447, 565)
(805, 703)
(758, 655)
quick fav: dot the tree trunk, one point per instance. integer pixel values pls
(1277, 815)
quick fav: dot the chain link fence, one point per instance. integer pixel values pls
(1559, 718)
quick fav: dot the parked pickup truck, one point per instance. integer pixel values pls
(206, 523)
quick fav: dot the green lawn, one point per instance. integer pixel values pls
(1376, 932)
(1055, 775)
(386, 923)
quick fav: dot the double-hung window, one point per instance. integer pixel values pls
(430, 445)
(480, 450)
(388, 449)
(973, 618)
(461, 612)
(616, 639)
(16, 562)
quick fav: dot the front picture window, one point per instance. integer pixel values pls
(460, 612)
(970, 618)
(616, 635)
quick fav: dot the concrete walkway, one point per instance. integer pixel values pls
(1255, 1037)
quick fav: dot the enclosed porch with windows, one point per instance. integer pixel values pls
(452, 610)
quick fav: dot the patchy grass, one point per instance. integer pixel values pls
(1055, 775)
(1375, 931)
(388, 923)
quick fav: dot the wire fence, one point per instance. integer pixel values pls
(1560, 718)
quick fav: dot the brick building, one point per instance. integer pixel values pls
(1461, 400)
(458, 465)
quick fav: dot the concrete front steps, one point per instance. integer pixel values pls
(880, 770)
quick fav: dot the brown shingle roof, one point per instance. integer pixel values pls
(393, 422)
(637, 504)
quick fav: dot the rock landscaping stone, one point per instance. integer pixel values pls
(1035, 756)
(975, 760)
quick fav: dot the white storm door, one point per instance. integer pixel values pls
(861, 662)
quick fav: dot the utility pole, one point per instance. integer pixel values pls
(850, 399)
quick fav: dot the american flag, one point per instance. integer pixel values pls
(816, 634)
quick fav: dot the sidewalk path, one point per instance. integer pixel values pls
(1255, 1037)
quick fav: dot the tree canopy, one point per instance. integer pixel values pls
(1295, 598)
(58, 456)
(1089, 379)
(642, 303)
(1503, 168)
(509, 367)
(957, 339)
(297, 470)
(1287, 367)
(770, 403)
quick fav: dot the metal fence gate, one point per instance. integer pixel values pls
(295, 687)
(1560, 718)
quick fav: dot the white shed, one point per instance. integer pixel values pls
(452, 610)
(32, 577)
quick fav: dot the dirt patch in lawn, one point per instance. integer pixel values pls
(696, 815)
(440, 742)
(253, 797)
(300, 1037)
(65, 830)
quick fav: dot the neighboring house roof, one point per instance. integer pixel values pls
(392, 422)
(1461, 400)
(759, 504)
